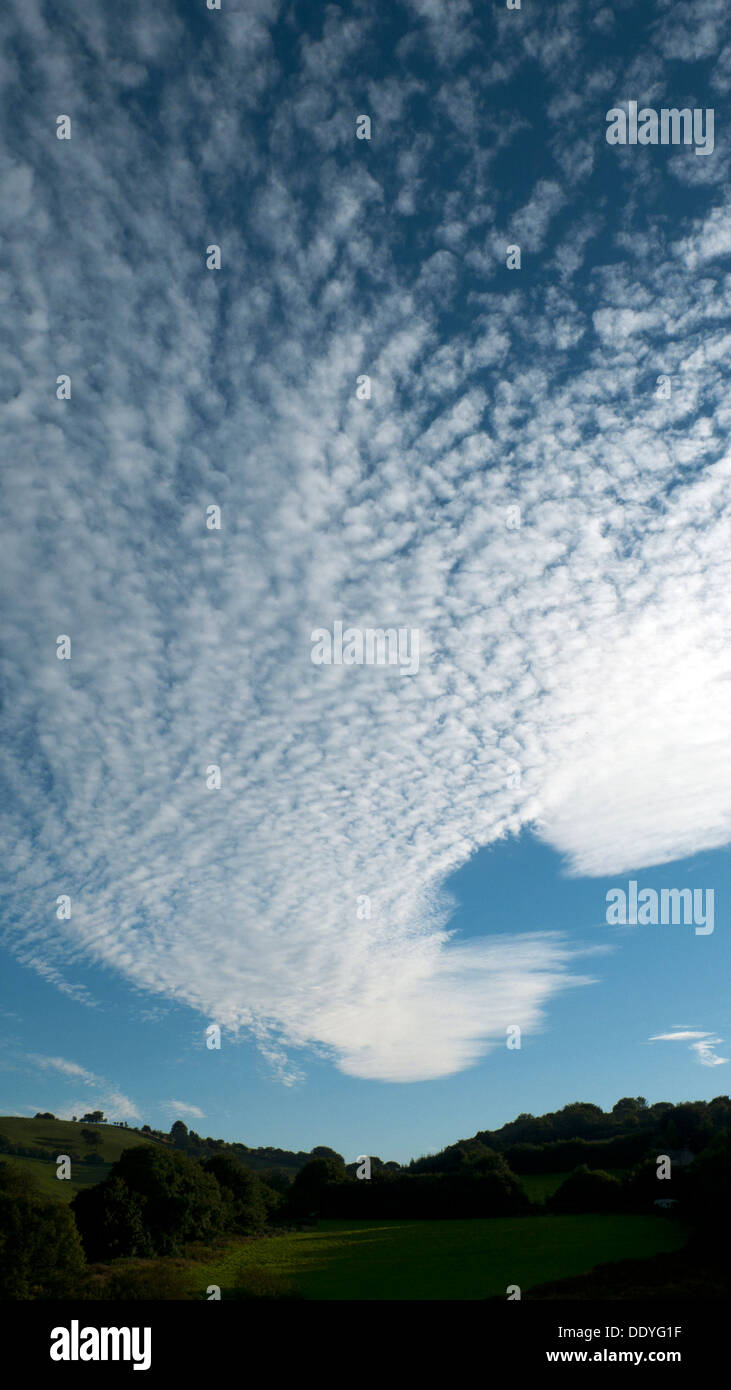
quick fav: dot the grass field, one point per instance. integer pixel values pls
(434, 1259)
(538, 1186)
(64, 1137)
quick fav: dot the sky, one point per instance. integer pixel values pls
(526, 465)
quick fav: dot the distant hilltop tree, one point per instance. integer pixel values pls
(629, 1108)
(94, 1117)
(44, 1115)
(179, 1134)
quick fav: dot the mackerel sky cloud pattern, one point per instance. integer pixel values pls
(589, 646)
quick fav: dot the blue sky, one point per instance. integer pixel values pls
(568, 725)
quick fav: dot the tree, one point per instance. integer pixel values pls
(179, 1134)
(110, 1219)
(276, 1181)
(587, 1189)
(153, 1202)
(686, 1126)
(95, 1117)
(627, 1111)
(44, 1115)
(243, 1194)
(719, 1112)
(307, 1190)
(41, 1255)
(580, 1120)
(709, 1183)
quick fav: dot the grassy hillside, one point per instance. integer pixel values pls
(65, 1137)
(434, 1259)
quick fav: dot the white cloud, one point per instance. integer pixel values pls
(695, 36)
(589, 647)
(709, 241)
(702, 1044)
(706, 1055)
(106, 1097)
(181, 1107)
(680, 1036)
(71, 1069)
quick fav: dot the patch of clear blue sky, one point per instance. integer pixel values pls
(594, 1044)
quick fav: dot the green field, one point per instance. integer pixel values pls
(434, 1259)
(64, 1137)
(539, 1186)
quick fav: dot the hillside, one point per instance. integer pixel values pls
(36, 1143)
(540, 1150)
(43, 1140)
(582, 1133)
